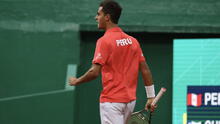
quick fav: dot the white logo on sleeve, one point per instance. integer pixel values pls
(124, 42)
(98, 56)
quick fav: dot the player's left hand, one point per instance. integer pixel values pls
(72, 81)
(149, 105)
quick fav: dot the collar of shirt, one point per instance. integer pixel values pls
(115, 29)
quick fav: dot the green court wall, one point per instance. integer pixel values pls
(41, 41)
(35, 61)
(48, 108)
(34, 67)
(146, 15)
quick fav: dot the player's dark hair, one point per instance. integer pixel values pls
(112, 8)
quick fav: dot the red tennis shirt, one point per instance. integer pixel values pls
(119, 55)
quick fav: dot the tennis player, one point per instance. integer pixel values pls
(119, 58)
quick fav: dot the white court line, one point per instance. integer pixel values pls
(34, 94)
(71, 71)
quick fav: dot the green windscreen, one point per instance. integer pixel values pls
(196, 63)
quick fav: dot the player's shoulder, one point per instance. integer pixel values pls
(107, 38)
(102, 40)
(132, 38)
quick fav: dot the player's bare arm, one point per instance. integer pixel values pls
(146, 73)
(91, 74)
(148, 81)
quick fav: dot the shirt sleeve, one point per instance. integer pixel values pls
(101, 53)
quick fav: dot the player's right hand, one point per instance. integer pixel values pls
(72, 81)
(149, 105)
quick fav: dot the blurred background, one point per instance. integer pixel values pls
(43, 42)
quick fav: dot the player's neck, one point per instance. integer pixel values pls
(110, 25)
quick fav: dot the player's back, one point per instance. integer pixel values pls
(124, 51)
(120, 71)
